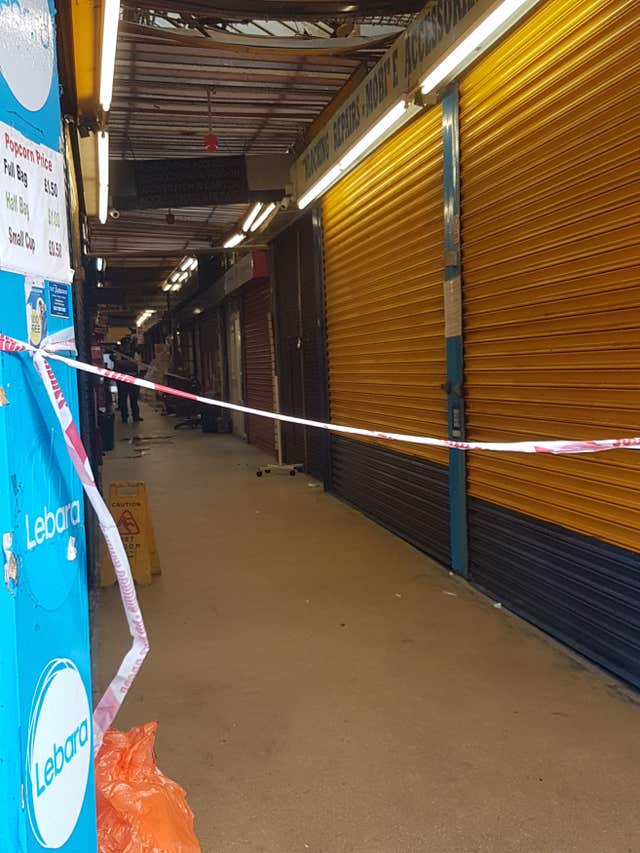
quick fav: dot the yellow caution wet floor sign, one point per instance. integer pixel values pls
(130, 509)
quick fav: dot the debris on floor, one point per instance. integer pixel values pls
(146, 442)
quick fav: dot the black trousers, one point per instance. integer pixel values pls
(128, 395)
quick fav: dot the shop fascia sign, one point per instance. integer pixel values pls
(446, 37)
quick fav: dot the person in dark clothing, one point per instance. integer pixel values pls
(124, 359)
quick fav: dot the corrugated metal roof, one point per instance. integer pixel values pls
(188, 68)
(146, 234)
(260, 104)
(285, 10)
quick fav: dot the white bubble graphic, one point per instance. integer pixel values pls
(26, 50)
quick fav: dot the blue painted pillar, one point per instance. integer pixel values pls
(454, 385)
(47, 788)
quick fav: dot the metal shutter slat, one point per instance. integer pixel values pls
(258, 364)
(551, 228)
(383, 227)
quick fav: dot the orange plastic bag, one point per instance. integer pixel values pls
(140, 810)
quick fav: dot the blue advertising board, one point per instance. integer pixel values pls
(46, 743)
(59, 300)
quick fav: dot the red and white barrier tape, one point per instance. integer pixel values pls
(110, 703)
(107, 708)
(556, 447)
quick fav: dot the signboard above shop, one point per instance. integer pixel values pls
(398, 75)
(394, 76)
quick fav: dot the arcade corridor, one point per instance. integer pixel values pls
(322, 686)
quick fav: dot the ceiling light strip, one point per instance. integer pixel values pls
(234, 240)
(110, 23)
(103, 176)
(479, 39)
(263, 216)
(255, 210)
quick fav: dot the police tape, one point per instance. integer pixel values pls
(110, 703)
(555, 447)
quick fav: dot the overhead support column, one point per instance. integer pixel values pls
(454, 385)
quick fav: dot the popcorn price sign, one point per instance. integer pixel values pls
(33, 222)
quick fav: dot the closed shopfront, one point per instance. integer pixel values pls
(257, 343)
(209, 352)
(297, 263)
(185, 350)
(383, 253)
(234, 363)
(550, 159)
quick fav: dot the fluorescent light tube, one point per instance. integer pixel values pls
(175, 288)
(108, 56)
(266, 213)
(319, 187)
(454, 62)
(234, 241)
(166, 288)
(103, 176)
(379, 128)
(99, 264)
(175, 276)
(255, 210)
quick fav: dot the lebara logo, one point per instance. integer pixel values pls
(26, 50)
(58, 753)
(50, 523)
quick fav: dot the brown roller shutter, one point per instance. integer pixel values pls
(258, 363)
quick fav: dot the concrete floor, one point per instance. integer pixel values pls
(322, 686)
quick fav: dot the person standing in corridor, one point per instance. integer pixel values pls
(125, 362)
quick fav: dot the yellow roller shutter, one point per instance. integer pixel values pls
(383, 227)
(550, 138)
